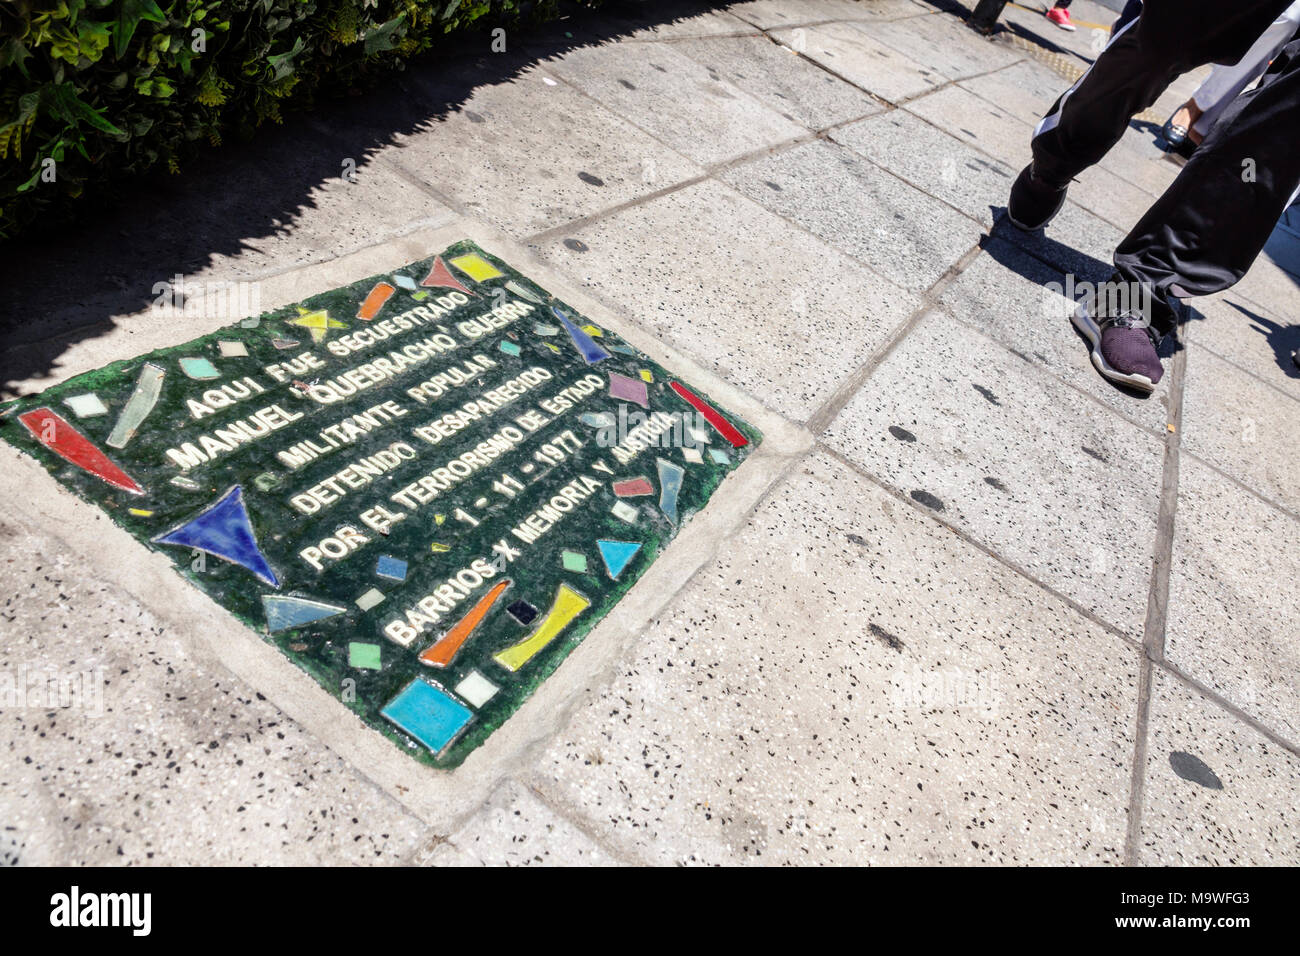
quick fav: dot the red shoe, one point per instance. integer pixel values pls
(1061, 17)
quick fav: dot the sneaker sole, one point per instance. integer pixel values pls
(1084, 323)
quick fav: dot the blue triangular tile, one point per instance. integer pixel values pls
(617, 555)
(225, 532)
(286, 612)
(590, 350)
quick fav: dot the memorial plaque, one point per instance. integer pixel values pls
(424, 488)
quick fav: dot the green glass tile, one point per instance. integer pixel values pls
(367, 656)
(199, 368)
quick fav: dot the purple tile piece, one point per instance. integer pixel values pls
(628, 389)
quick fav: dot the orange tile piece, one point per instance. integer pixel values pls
(380, 294)
(444, 650)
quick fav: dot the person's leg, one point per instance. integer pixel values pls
(1089, 118)
(1226, 82)
(1202, 235)
(1130, 13)
(1204, 232)
(1142, 59)
(1059, 13)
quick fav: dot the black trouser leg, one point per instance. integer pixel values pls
(1168, 38)
(1203, 234)
(1091, 116)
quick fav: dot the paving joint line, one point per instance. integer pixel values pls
(825, 413)
(573, 225)
(1112, 629)
(1233, 479)
(984, 227)
(579, 822)
(1030, 127)
(1244, 371)
(826, 69)
(1137, 773)
(1215, 697)
(1157, 616)
(957, 81)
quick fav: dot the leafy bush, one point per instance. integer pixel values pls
(95, 90)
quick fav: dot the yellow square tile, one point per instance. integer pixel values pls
(646, 376)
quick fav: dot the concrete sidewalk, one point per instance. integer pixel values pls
(981, 608)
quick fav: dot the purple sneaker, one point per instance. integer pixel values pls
(1123, 348)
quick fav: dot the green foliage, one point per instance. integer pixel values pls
(92, 91)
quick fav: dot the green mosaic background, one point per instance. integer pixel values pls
(321, 648)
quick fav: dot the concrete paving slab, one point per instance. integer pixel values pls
(515, 828)
(1249, 336)
(850, 683)
(1136, 160)
(1242, 425)
(975, 120)
(1217, 792)
(337, 216)
(1000, 450)
(866, 63)
(163, 757)
(1270, 285)
(676, 100)
(1232, 597)
(715, 273)
(780, 13)
(932, 161)
(790, 84)
(1283, 250)
(525, 156)
(1026, 89)
(906, 236)
(943, 43)
(1022, 304)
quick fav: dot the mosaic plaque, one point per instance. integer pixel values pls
(425, 488)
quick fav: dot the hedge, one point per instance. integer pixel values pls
(92, 91)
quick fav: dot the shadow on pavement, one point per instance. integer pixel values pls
(1282, 339)
(63, 289)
